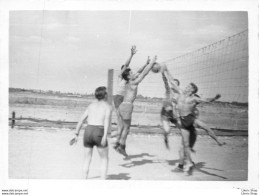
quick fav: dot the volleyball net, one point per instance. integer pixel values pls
(221, 67)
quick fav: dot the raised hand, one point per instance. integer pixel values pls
(133, 50)
(154, 60)
(148, 60)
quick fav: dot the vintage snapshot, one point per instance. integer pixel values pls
(128, 95)
(143, 95)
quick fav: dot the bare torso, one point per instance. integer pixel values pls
(96, 112)
(131, 93)
(186, 104)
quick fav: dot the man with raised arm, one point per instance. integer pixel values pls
(122, 82)
(126, 108)
(186, 104)
(118, 97)
(170, 112)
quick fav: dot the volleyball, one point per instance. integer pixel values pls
(156, 68)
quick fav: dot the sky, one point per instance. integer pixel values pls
(71, 51)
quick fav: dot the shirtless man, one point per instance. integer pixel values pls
(123, 80)
(119, 96)
(170, 112)
(126, 108)
(186, 104)
(98, 115)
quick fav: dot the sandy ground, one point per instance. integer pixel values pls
(46, 154)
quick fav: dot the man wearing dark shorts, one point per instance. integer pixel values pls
(186, 104)
(93, 136)
(98, 116)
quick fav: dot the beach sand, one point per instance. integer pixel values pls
(45, 153)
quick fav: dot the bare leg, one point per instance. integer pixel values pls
(181, 154)
(180, 165)
(103, 152)
(125, 131)
(202, 125)
(120, 126)
(122, 142)
(87, 162)
(186, 145)
(166, 127)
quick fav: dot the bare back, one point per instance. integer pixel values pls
(97, 113)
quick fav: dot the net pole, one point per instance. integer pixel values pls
(110, 85)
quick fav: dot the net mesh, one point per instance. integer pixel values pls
(221, 67)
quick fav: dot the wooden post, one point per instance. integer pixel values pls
(110, 85)
(13, 119)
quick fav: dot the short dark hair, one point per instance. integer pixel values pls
(178, 82)
(125, 74)
(195, 88)
(100, 93)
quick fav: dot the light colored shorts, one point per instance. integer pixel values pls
(125, 110)
(117, 99)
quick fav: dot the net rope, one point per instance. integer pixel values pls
(221, 67)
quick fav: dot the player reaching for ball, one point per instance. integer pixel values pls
(122, 82)
(126, 108)
(197, 123)
(169, 113)
(187, 101)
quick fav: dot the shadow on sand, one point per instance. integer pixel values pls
(120, 176)
(137, 156)
(134, 163)
(201, 166)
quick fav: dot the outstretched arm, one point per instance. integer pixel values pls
(142, 68)
(167, 88)
(199, 100)
(145, 72)
(170, 78)
(127, 63)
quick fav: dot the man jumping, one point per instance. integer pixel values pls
(170, 112)
(126, 108)
(123, 81)
(186, 104)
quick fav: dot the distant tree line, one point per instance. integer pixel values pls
(91, 95)
(50, 92)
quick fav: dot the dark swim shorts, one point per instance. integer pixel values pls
(93, 136)
(117, 99)
(187, 123)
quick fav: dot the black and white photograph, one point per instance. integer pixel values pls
(136, 94)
